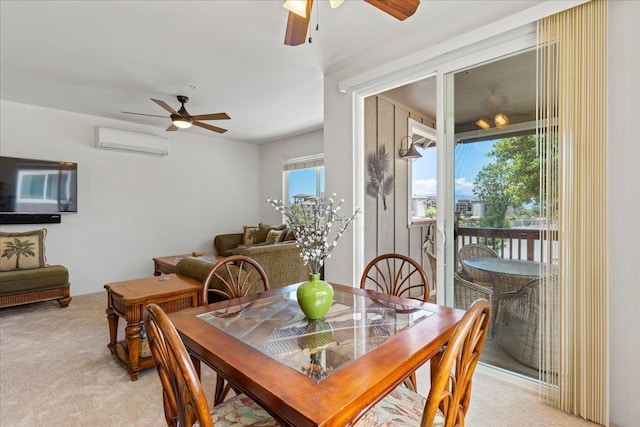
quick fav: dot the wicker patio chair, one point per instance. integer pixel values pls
(433, 263)
(399, 275)
(475, 250)
(466, 292)
(183, 395)
(518, 322)
(451, 378)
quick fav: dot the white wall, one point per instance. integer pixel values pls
(272, 157)
(132, 207)
(624, 203)
(623, 207)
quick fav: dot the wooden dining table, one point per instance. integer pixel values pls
(325, 372)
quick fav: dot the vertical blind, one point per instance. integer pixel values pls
(572, 129)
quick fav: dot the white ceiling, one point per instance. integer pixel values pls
(104, 57)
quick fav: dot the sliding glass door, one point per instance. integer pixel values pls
(495, 210)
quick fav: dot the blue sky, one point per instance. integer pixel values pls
(469, 160)
(303, 181)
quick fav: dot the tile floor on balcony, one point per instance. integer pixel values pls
(494, 355)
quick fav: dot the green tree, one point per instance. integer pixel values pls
(513, 179)
(430, 212)
(18, 248)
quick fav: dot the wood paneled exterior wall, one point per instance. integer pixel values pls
(386, 122)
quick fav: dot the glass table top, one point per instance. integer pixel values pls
(276, 326)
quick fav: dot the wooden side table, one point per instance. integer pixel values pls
(167, 264)
(128, 299)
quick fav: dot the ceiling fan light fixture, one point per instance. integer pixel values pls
(299, 7)
(181, 122)
(483, 123)
(501, 120)
(335, 3)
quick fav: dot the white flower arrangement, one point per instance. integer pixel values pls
(311, 222)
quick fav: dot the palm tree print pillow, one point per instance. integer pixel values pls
(20, 251)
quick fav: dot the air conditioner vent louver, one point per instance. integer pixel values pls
(131, 142)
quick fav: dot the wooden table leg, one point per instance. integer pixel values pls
(112, 319)
(132, 335)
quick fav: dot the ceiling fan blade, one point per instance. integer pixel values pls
(142, 114)
(297, 27)
(164, 105)
(399, 9)
(214, 116)
(209, 127)
(172, 128)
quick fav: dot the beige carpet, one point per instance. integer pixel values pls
(56, 370)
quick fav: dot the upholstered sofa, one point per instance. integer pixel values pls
(280, 259)
(25, 277)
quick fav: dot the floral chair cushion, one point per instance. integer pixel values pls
(400, 408)
(240, 410)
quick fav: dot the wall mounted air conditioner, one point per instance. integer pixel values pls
(131, 142)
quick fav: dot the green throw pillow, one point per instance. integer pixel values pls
(263, 230)
(21, 251)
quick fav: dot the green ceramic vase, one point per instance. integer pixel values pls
(315, 297)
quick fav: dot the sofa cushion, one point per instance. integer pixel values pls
(249, 235)
(23, 250)
(263, 230)
(290, 236)
(275, 236)
(35, 279)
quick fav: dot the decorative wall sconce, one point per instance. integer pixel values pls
(411, 153)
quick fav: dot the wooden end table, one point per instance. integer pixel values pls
(128, 299)
(167, 264)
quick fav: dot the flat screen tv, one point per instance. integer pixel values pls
(37, 186)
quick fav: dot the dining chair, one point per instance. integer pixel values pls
(399, 275)
(451, 377)
(232, 277)
(183, 396)
(476, 250)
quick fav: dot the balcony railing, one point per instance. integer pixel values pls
(514, 243)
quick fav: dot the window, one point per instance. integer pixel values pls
(303, 178)
(424, 174)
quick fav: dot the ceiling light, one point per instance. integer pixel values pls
(412, 152)
(299, 7)
(501, 120)
(335, 3)
(181, 122)
(483, 123)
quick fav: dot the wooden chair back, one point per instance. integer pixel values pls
(183, 396)
(399, 275)
(451, 374)
(234, 276)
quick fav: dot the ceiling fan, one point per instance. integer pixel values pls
(181, 119)
(494, 106)
(300, 13)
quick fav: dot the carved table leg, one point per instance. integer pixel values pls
(132, 334)
(112, 318)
